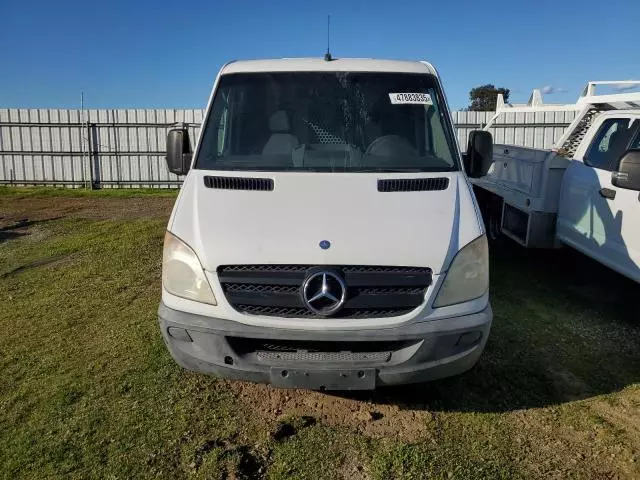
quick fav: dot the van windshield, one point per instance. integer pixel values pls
(328, 121)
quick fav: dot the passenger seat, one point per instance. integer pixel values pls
(282, 141)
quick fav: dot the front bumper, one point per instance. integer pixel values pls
(353, 360)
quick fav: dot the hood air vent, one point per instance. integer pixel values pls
(412, 184)
(239, 183)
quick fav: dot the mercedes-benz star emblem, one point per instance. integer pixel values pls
(324, 293)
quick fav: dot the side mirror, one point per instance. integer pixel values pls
(479, 156)
(178, 150)
(627, 174)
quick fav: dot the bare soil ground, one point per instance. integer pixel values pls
(360, 412)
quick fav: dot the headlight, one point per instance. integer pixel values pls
(468, 275)
(182, 274)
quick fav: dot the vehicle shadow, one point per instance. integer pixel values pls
(20, 228)
(14, 230)
(565, 328)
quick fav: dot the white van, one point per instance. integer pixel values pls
(326, 236)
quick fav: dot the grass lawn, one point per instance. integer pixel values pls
(47, 192)
(89, 391)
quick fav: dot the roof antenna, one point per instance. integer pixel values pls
(327, 56)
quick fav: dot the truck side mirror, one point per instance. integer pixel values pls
(178, 150)
(627, 174)
(479, 156)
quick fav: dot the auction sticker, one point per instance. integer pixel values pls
(410, 98)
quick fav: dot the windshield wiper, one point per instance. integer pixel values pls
(396, 170)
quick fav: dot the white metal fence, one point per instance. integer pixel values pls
(118, 148)
(526, 129)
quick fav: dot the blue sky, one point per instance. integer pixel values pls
(143, 54)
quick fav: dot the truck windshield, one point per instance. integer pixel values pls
(328, 121)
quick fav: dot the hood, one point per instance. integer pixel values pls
(364, 226)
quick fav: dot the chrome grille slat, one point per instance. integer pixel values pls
(291, 312)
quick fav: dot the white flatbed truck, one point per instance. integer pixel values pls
(582, 193)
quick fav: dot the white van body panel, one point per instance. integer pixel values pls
(364, 226)
(320, 65)
(376, 229)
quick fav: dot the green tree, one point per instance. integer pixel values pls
(484, 97)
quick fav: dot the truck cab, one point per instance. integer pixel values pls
(326, 235)
(597, 214)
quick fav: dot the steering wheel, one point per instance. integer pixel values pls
(391, 145)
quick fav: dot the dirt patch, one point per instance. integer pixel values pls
(29, 210)
(236, 460)
(585, 444)
(373, 419)
(283, 430)
(352, 469)
(239, 462)
(623, 416)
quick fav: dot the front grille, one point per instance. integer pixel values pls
(324, 356)
(390, 291)
(243, 345)
(301, 312)
(251, 288)
(372, 291)
(278, 268)
(316, 351)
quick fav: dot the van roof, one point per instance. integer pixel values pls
(321, 65)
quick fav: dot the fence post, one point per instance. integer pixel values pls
(92, 175)
(95, 156)
(83, 160)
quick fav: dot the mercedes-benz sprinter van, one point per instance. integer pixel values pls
(326, 235)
